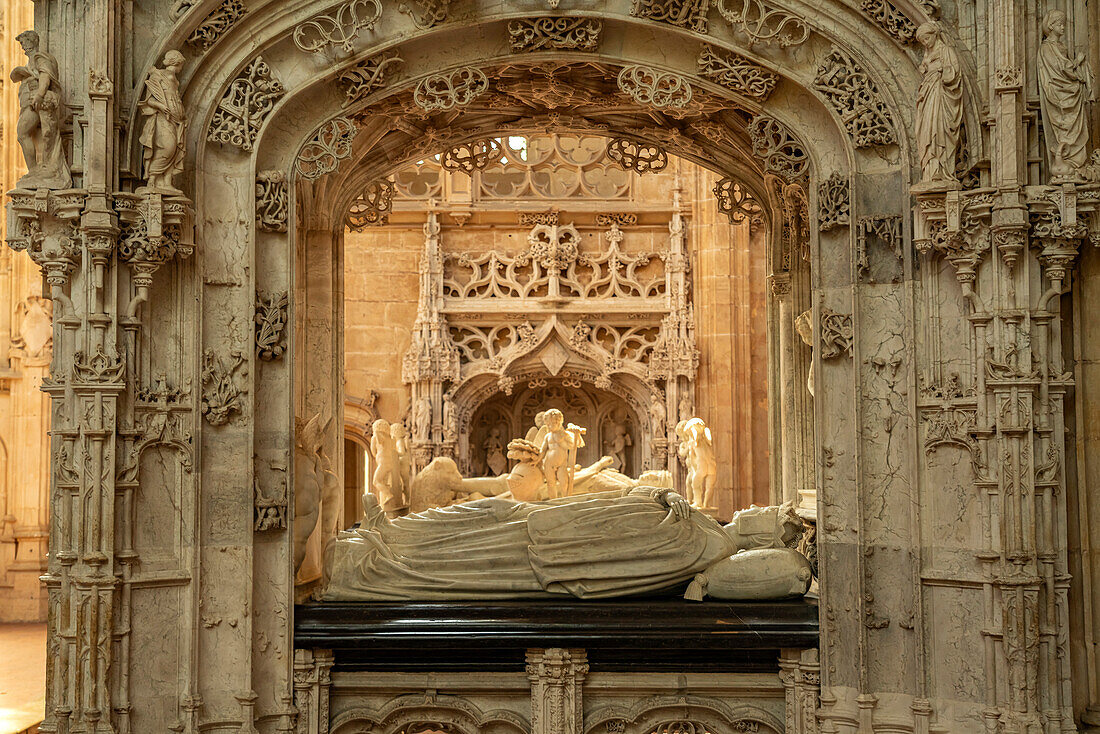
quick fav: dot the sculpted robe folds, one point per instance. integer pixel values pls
(607, 544)
(162, 134)
(939, 106)
(1064, 88)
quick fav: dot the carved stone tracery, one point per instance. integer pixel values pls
(737, 73)
(690, 14)
(339, 27)
(214, 26)
(782, 154)
(654, 88)
(367, 77)
(328, 146)
(554, 34)
(271, 201)
(762, 23)
(834, 202)
(855, 97)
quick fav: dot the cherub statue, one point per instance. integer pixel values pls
(403, 473)
(536, 433)
(386, 481)
(41, 111)
(697, 452)
(558, 454)
(162, 136)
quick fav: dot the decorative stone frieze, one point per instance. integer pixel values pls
(690, 14)
(369, 76)
(214, 26)
(271, 318)
(245, 106)
(837, 334)
(761, 23)
(834, 202)
(372, 207)
(441, 92)
(855, 97)
(221, 386)
(328, 146)
(654, 88)
(339, 27)
(554, 34)
(890, 19)
(426, 13)
(638, 157)
(782, 154)
(271, 201)
(736, 73)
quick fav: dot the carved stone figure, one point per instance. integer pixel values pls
(697, 452)
(450, 420)
(422, 419)
(162, 136)
(657, 417)
(535, 434)
(805, 328)
(41, 112)
(608, 544)
(558, 453)
(403, 474)
(316, 488)
(386, 480)
(494, 453)
(939, 106)
(617, 441)
(1064, 87)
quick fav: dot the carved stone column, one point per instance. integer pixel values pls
(312, 683)
(800, 671)
(556, 677)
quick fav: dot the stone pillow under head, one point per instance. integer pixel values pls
(753, 575)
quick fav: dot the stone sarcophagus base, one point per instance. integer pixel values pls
(649, 667)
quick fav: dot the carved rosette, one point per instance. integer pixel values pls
(782, 154)
(372, 207)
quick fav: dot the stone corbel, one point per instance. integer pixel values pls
(155, 228)
(44, 224)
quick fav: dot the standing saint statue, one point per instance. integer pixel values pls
(163, 133)
(939, 106)
(422, 419)
(1064, 87)
(41, 110)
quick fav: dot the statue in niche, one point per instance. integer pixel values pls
(450, 420)
(617, 440)
(1064, 87)
(385, 481)
(629, 541)
(686, 411)
(316, 486)
(558, 453)
(696, 450)
(162, 136)
(805, 328)
(41, 111)
(939, 107)
(494, 452)
(422, 419)
(403, 473)
(657, 417)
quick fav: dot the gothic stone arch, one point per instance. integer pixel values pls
(928, 616)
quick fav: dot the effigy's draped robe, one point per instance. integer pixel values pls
(617, 543)
(1063, 90)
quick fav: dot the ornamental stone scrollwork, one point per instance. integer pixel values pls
(221, 390)
(735, 201)
(641, 158)
(890, 19)
(837, 335)
(271, 201)
(955, 425)
(271, 317)
(372, 207)
(554, 34)
(339, 27)
(736, 73)
(834, 202)
(470, 157)
(269, 509)
(854, 96)
(216, 24)
(654, 88)
(367, 77)
(329, 145)
(97, 368)
(154, 229)
(445, 91)
(762, 23)
(782, 154)
(245, 106)
(690, 14)
(426, 13)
